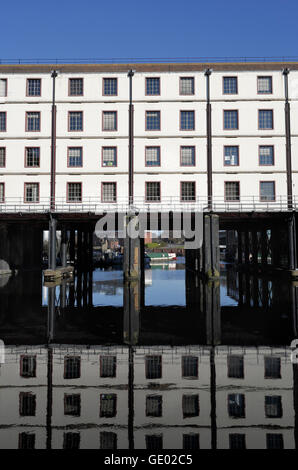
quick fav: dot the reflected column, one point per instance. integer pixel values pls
(50, 337)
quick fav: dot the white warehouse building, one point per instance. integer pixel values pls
(170, 133)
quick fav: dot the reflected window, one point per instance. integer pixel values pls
(108, 405)
(72, 367)
(275, 441)
(272, 367)
(235, 367)
(237, 441)
(28, 366)
(190, 367)
(71, 440)
(273, 407)
(191, 441)
(72, 404)
(153, 367)
(190, 406)
(108, 366)
(154, 406)
(154, 441)
(236, 405)
(26, 440)
(27, 402)
(108, 440)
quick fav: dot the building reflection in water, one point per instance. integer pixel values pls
(132, 391)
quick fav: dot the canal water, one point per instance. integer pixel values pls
(180, 364)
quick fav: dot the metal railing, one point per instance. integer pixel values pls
(165, 204)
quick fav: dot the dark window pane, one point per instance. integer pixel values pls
(108, 366)
(272, 367)
(34, 87)
(27, 404)
(71, 440)
(236, 405)
(187, 120)
(108, 440)
(152, 86)
(72, 367)
(190, 406)
(190, 367)
(275, 441)
(153, 191)
(28, 366)
(273, 407)
(153, 120)
(154, 405)
(191, 441)
(237, 441)
(153, 367)
(266, 119)
(154, 442)
(110, 86)
(76, 86)
(236, 367)
(72, 404)
(26, 440)
(231, 155)
(108, 405)
(230, 85)
(231, 119)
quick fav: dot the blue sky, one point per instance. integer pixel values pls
(149, 29)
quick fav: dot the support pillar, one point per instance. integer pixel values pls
(240, 247)
(133, 250)
(52, 242)
(72, 243)
(213, 312)
(63, 247)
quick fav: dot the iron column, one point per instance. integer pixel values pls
(209, 142)
(130, 133)
(285, 73)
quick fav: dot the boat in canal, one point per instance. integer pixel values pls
(161, 257)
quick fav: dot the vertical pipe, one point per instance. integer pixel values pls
(131, 140)
(288, 140)
(209, 139)
(53, 145)
(52, 242)
(63, 249)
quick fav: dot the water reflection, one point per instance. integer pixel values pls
(211, 368)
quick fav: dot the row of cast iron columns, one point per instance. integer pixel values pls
(274, 247)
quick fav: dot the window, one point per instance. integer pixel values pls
(71, 440)
(108, 440)
(264, 85)
(154, 406)
(108, 405)
(33, 87)
(154, 441)
(231, 155)
(190, 406)
(232, 191)
(236, 405)
(266, 155)
(187, 85)
(74, 192)
(108, 366)
(191, 441)
(152, 120)
(267, 191)
(2, 157)
(187, 120)
(2, 192)
(152, 156)
(31, 192)
(110, 87)
(109, 156)
(75, 120)
(72, 367)
(28, 366)
(32, 157)
(33, 121)
(187, 156)
(76, 87)
(272, 367)
(27, 403)
(190, 367)
(2, 121)
(75, 157)
(109, 121)
(3, 87)
(265, 119)
(231, 119)
(153, 367)
(26, 440)
(108, 192)
(275, 441)
(273, 408)
(230, 85)
(236, 367)
(72, 404)
(237, 441)
(188, 191)
(153, 191)
(153, 86)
